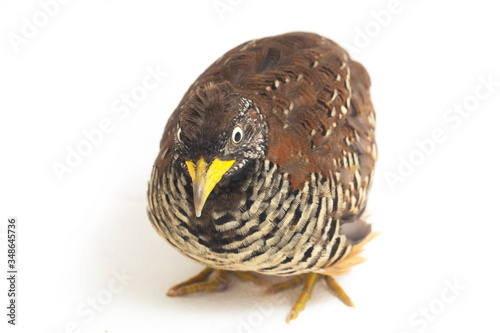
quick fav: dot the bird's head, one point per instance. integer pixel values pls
(219, 133)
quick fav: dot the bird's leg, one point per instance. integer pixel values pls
(200, 283)
(288, 284)
(219, 282)
(305, 295)
(245, 276)
(338, 291)
(310, 280)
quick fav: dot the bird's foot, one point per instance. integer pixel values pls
(218, 282)
(338, 291)
(245, 276)
(305, 295)
(288, 284)
(201, 282)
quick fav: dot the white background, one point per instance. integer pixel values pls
(438, 220)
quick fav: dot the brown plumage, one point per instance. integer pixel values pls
(266, 163)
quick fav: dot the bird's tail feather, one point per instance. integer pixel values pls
(345, 264)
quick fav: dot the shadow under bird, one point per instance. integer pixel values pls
(265, 166)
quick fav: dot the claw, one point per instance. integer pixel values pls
(199, 283)
(338, 291)
(219, 282)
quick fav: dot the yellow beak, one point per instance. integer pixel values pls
(205, 180)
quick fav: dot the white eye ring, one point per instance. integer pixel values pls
(237, 135)
(179, 134)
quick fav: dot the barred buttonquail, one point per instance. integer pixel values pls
(265, 166)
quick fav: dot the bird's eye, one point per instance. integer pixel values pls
(179, 134)
(237, 135)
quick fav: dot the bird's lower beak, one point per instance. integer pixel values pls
(205, 180)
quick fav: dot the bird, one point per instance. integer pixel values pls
(265, 166)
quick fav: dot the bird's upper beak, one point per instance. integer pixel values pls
(205, 180)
